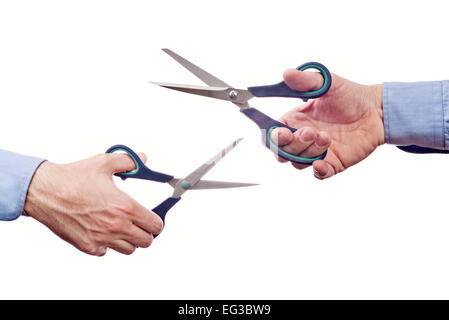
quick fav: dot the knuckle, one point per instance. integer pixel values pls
(88, 247)
(116, 225)
(126, 206)
(102, 157)
(112, 223)
(101, 252)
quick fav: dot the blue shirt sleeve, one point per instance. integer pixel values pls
(417, 114)
(16, 172)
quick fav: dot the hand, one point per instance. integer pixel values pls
(347, 120)
(81, 204)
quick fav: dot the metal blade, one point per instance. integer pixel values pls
(237, 96)
(203, 75)
(174, 182)
(210, 184)
(192, 179)
(211, 92)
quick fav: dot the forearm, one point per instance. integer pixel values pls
(16, 172)
(417, 114)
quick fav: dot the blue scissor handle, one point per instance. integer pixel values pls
(282, 90)
(267, 124)
(141, 171)
(162, 209)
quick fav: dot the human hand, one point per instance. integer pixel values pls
(81, 204)
(347, 120)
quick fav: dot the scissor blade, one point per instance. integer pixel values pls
(203, 75)
(207, 184)
(210, 184)
(192, 179)
(211, 92)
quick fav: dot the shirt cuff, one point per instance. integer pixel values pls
(16, 172)
(416, 114)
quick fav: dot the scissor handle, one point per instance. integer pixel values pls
(141, 171)
(283, 90)
(162, 209)
(267, 125)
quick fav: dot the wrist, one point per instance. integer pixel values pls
(39, 189)
(377, 98)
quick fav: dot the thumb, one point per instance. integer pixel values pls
(303, 81)
(122, 162)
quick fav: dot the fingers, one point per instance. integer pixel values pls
(144, 218)
(126, 226)
(320, 144)
(122, 246)
(140, 216)
(305, 142)
(121, 162)
(281, 137)
(303, 81)
(133, 225)
(302, 139)
(135, 238)
(139, 237)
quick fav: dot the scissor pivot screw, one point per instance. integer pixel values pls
(185, 184)
(233, 95)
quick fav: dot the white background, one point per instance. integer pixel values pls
(74, 81)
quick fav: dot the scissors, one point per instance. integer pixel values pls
(191, 182)
(220, 90)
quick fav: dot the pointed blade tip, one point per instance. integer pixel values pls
(251, 184)
(167, 51)
(243, 185)
(237, 141)
(159, 84)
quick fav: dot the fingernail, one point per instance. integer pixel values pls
(319, 175)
